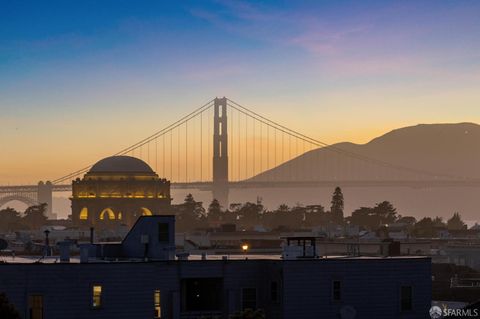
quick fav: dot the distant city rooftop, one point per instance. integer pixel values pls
(195, 257)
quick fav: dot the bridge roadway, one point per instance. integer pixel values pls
(334, 183)
(32, 188)
(282, 184)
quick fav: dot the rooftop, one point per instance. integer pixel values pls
(121, 164)
(76, 260)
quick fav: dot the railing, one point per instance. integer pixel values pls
(456, 282)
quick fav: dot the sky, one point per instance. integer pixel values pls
(80, 80)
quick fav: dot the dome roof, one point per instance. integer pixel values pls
(121, 164)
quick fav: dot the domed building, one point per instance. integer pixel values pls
(117, 190)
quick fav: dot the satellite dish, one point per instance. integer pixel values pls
(348, 312)
(3, 244)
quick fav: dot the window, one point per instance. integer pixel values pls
(274, 291)
(157, 304)
(35, 306)
(406, 298)
(96, 296)
(146, 212)
(109, 212)
(337, 290)
(163, 232)
(84, 213)
(202, 294)
(249, 298)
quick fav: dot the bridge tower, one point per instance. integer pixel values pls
(44, 195)
(220, 152)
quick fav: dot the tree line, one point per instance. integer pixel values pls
(191, 215)
(32, 218)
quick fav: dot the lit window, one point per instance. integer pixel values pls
(146, 212)
(97, 296)
(84, 213)
(336, 290)
(406, 298)
(35, 306)
(109, 212)
(120, 215)
(157, 304)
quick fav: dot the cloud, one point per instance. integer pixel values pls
(299, 29)
(385, 41)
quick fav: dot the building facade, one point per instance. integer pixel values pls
(142, 278)
(117, 190)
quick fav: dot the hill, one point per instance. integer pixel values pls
(431, 149)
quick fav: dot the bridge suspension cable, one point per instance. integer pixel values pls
(317, 143)
(138, 146)
(255, 145)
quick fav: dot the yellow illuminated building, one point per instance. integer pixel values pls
(117, 190)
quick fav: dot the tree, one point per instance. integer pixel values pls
(189, 214)
(456, 222)
(385, 212)
(425, 227)
(235, 207)
(189, 200)
(373, 218)
(315, 215)
(7, 310)
(438, 222)
(11, 219)
(409, 220)
(283, 208)
(364, 217)
(214, 212)
(336, 209)
(250, 213)
(34, 216)
(193, 208)
(298, 212)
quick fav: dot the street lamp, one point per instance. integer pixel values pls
(245, 248)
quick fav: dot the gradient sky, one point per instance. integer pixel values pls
(80, 80)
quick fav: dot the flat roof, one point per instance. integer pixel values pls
(195, 257)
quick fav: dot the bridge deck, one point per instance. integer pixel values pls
(281, 184)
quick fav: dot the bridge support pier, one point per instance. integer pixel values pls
(44, 195)
(220, 152)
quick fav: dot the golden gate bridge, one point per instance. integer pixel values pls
(223, 145)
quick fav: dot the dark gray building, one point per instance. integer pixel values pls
(141, 278)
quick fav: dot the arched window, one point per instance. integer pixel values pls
(119, 216)
(84, 213)
(146, 212)
(109, 212)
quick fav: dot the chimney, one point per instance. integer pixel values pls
(47, 243)
(64, 251)
(84, 253)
